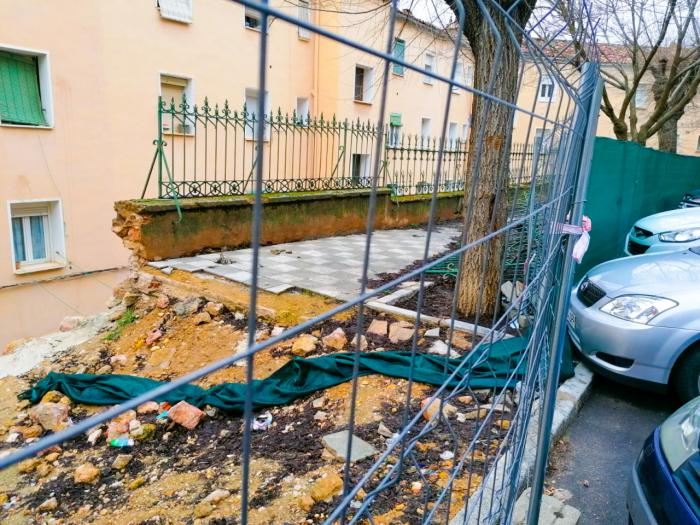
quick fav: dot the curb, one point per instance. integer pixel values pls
(570, 397)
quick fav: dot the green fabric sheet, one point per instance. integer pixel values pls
(297, 378)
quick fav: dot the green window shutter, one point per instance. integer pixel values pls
(399, 53)
(20, 98)
(395, 119)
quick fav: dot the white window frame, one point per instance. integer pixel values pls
(304, 14)
(364, 167)
(425, 129)
(367, 88)
(249, 12)
(250, 132)
(429, 66)
(176, 10)
(52, 210)
(45, 86)
(546, 81)
(303, 110)
(189, 96)
(469, 74)
(641, 96)
(452, 135)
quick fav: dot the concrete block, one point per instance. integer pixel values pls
(338, 443)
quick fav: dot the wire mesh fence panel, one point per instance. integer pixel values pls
(449, 444)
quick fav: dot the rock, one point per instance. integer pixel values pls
(304, 345)
(49, 504)
(121, 461)
(217, 496)
(461, 343)
(116, 313)
(94, 436)
(277, 330)
(203, 509)
(433, 332)
(104, 370)
(363, 343)
(383, 430)
(13, 437)
(434, 407)
(306, 503)
(148, 430)
(320, 415)
(185, 414)
(188, 306)
(53, 456)
(467, 400)
(325, 488)
(153, 336)
(440, 348)
(214, 309)
(202, 318)
(318, 402)
(29, 432)
(552, 511)
(86, 473)
(135, 426)
(447, 455)
(118, 360)
(53, 396)
(43, 469)
(378, 327)
(498, 407)
(136, 483)
(337, 444)
(162, 301)
(51, 416)
(28, 465)
(476, 414)
(130, 299)
(416, 487)
(149, 407)
(401, 332)
(336, 339)
(70, 323)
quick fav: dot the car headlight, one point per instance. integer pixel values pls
(691, 234)
(637, 308)
(680, 434)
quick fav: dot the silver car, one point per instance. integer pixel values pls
(637, 319)
(665, 232)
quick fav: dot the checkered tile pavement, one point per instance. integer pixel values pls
(330, 266)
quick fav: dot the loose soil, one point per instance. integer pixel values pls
(173, 471)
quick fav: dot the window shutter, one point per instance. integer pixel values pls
(20, 99)
(399, 53)
(178, 10)
(395, 119)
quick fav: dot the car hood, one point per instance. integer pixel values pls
(671, 220)
(672, 275)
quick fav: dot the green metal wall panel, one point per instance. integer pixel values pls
(628, 182)
(20, 98)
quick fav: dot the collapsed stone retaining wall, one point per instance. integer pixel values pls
(150, 228)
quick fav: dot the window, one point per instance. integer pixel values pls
(465, 131)
(469, 75)
(543, 140)
(429, 67)
(304, 16)
(252, 118)
(25, 88)
(424, 131)
(641, 95)
(176, 91)
(37, 235)
(302, 112)
(359, 168)
(363, 84)
(178, 10)
(253, 19)
(458, 76)
(545, 93)
(452, 136)
(394, 129)
(399, 54)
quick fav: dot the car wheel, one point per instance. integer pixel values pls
(686, 381)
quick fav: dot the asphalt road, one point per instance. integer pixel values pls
(601, 447)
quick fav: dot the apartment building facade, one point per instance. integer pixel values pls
(78, 116)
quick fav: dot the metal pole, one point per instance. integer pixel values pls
(591, 77)
(159, 147)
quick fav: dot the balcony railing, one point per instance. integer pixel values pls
(206, 150)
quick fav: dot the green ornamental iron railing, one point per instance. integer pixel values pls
(207, 150)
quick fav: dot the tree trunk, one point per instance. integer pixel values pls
(479, 290)
(668, 135)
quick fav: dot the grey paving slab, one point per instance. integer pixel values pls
(330, 266)
(338, 444)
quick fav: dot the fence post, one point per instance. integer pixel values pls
(592, 82)
(159, 147)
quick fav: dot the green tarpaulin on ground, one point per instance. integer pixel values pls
(297, 378)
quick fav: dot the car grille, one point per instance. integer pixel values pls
(635, 248)
(687, 477)
(641, 233)
(589, 293)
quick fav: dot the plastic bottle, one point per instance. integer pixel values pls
(122, 442)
